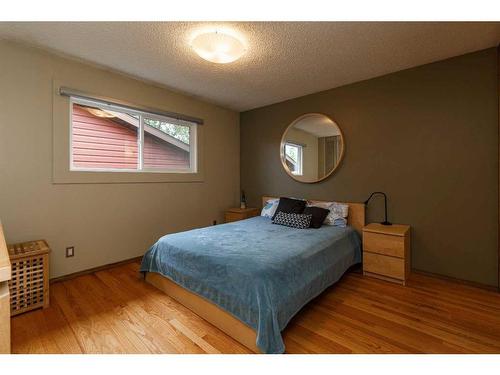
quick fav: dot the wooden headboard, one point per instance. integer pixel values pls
(355, 218)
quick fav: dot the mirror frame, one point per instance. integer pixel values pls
(282, 148)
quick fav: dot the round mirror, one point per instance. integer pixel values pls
(311, 148)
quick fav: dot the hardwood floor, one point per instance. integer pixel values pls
(114, 311)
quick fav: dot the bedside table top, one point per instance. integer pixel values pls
(241, 210)
(393, 230)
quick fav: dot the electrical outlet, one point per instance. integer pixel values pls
(215, 222)
(70, 251)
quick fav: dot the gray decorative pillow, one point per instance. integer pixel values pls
(299, 221)
(338, 212)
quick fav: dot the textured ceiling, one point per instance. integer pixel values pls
(317, 125)
(284, 59)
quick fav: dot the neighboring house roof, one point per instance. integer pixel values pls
(149, 129)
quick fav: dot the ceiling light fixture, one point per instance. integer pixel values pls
(218, 47)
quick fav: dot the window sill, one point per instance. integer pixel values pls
(92, 177)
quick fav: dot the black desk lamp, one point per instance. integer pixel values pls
(385, 222)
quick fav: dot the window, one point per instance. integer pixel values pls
(293, 153)
(109, 138)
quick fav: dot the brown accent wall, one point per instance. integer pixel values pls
(427, 136)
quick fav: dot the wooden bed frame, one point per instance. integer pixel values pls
(219, 317)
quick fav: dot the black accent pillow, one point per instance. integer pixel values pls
(299, 221)
(290, 206)
(318, 215)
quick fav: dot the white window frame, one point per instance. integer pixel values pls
(193, 141)
(300, 152)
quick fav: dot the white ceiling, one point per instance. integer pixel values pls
(284, 59)
(318, 125)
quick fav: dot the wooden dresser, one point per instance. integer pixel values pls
(386, 252)
(5, 275)
(235, 214)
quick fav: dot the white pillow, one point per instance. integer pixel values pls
(338, 212)
(270, 208)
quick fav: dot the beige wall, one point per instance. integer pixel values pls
(405, 134)
(105, 222)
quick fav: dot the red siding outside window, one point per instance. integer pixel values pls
(112, 143)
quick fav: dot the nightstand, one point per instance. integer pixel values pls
(386, 252)
(235, 214)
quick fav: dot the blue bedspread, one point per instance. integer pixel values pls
(261, 273)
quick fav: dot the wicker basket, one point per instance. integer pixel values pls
(29, 286)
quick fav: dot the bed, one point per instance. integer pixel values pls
(250, 277)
